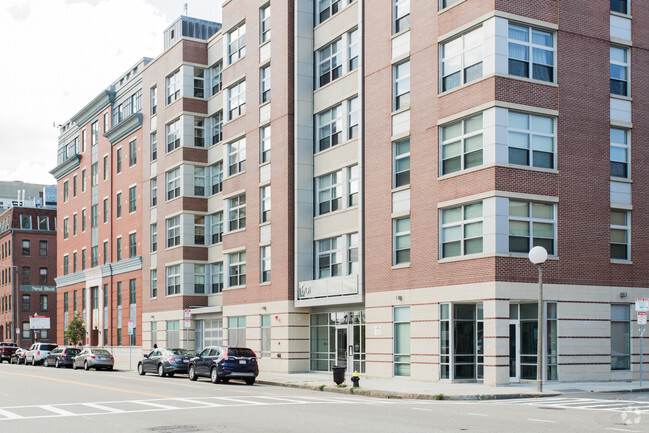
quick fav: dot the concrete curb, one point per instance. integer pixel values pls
(403, 395)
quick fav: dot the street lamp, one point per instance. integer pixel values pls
(538, 255)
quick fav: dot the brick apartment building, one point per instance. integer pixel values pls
(418, 153)
(27, 271)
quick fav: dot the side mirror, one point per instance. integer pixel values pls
(146, 356)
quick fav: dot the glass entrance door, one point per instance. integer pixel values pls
(513, 352)
(341, 346)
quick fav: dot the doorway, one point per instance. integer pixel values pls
(338, 339)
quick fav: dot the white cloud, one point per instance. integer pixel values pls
(57, 55)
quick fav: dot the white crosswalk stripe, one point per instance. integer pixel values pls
(580, 403)
(153, 405)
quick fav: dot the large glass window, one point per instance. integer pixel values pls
(264, 199)
(264, 84)
(330, 254)
(174, 85)
(401, 241)
(237, 100)
(620, 228)
(173, 231)
(330, 192)
(265, 264)
(401, 14)
(619, 152)
(216, 275)
(237, 43)
(236, 157)
(173, 183)
(264, 144)
(199, 181)
(199, 230)
(237, 269)
(401, 85)
(531, 53)
(620, 337)
(237, 331)
(199, 278)
(173, 134)
(330, 62)
(402, 341)
(199, 132)
(237, 213)
(531, 225)
(531, 140)
(619, 71)
(173, 280)
(462, 59)
(462, 144)
(217, 227)
(264, 24)
(462, 230)
(330, 126)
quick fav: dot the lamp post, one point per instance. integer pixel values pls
(538, 255)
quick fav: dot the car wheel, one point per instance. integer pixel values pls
(74, 365)
(250, 381)
(33, 361)
(214, 375)
(161, 370)
(46, 363)
(191, 372)
(86, 366)
(109, 368)
(58, 364)
(140, 369)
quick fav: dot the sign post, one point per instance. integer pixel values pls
(130, 341)
(641, 307)
(188, 324)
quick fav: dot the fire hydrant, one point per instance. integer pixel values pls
(355, 379)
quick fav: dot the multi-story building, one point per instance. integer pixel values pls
(419, 152)
(99, 178)
(27, 271)
(18, 193)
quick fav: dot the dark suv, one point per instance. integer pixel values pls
(6, 350)
(221, 364)
(61, 357)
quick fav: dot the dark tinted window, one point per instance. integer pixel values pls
(101, 351)
(72, 351)
(180, 352)
(48, 346)
(240, 351)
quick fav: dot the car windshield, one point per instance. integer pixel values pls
(180, 352)
(72, 351)
(240, 351)
(101, 351)
(48, 346)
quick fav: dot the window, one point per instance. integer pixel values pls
(237, 157)
(462, 145)
(352, 253)
(352, 50)
(619, 152)
(132, 245)
(264, 84)
(119, 248)
(352, 118)
(401, 85)
(173, 87)
(154, 146)
(132, 199)
(199, 132)
(620, 227)
(43, 223)
(531, 133)
(265, 264)
(154, 238)
(217, 82)
(237, 267)
(462, 59)
(199, 181)
(83, 220)
(26, 274)
(118, 203)
(199, 278)
(83, 141)
(154, 283)
(118, 162)
(540, 64)
(619, 71)
(330, 254)
(66, 264)
(264, 144)
(105, 252)
(237, 331)
(74, 261)
(237, 100)
(401, 163)
(447, 3)
(94, 137)
(94, 216)
(401, 240)
(531, 225)
(461, 230)
(237, 43)
(83, 180)
(26, 247)
(237, 213)
(42, 248)
(173, 183)
(217, 227)
(401, 13)
(264, 198)
(216, 272)
(217, 177)
(199, 230)
(154, 100)
(66, 230)
(173, 231)
(83, 259)
(352, 185)
(330, 192)
(199, 83)
(173, 280)
(330, 62)
(132, 153)
(327, 8)
(26, 304)
(42, 276)
(26, 222)
(154, 191)
(94, 256)
(620, 6)
(264, 24)
(74, 224)
(66, 191)
(105, 210)
(265, 335)
(620, 337)
(173, 135)
(217, 127)
(330, 126)
(402, 341)
(74, 185)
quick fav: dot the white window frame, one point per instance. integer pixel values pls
(154, 191)
(264, 23)
(353, 115)
(236, 156)
(199, 230)
(330, 192)
(237, 269)
(154, 237)
(173, 280)
(217, 79)
(533, 219)
(401, 85)
(264, 201)
(534, 137)
(530, 48)
(199, 132)
(465, 141)
(237, 213)
(265, 254)
(400, 163)
(216, 182)
(199, 278)
(199, 180)
(217, 127)
(330, 63)
(330, 128)
(216, 277)
(625, 229)
(173, 231)
(199, 83)
(264, 144)
(237, 100)
(458, 56)
(236, 40)
(216, 227)
(460, 225)
(264, 84)
(620, 66)
(620, 151)
(173, 86)
(173, 134)
(401, 16)
(400, 240)
(334, 249)
(173, 183)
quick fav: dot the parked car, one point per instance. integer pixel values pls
(61, 357)
(221, 364)
(18, 357)
(38, 352)
(165, 362)
(94, 357)
(6, 350)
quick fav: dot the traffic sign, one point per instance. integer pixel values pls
(188, 323)
(188, 313)
(642, 317)
(130, 327)
(642, 304)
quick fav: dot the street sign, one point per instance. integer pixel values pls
(130, 327)
(188, 313)
(642, 304)
(642, 317)
(188, 323)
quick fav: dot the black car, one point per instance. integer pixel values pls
(18, 357)
(165, 362)
(61, 357)
(221, 364)
(6, 350)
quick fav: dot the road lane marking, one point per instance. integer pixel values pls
(57, 410)
(539, 420)
(621, 429)
(72, 382)
(282, 399)
(240, 400)
(476, 414)
(194, 401)
(161, 406)
(9, 415)
(102, 407)
(422, 409)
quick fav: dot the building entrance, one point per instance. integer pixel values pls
(338, 339)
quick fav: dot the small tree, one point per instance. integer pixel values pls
(76, 331)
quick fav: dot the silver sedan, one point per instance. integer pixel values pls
(94, 357)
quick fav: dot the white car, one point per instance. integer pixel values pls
(38, 352)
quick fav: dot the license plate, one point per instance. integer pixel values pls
(186, 361)
(242, 361)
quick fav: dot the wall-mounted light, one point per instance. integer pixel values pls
(623, 294)
(399, 297)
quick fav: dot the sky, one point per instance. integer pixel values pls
(58, 55)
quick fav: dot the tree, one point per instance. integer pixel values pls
(76, 331)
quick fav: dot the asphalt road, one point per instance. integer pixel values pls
(39, 399)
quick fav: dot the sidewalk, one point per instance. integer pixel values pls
(406, 388)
